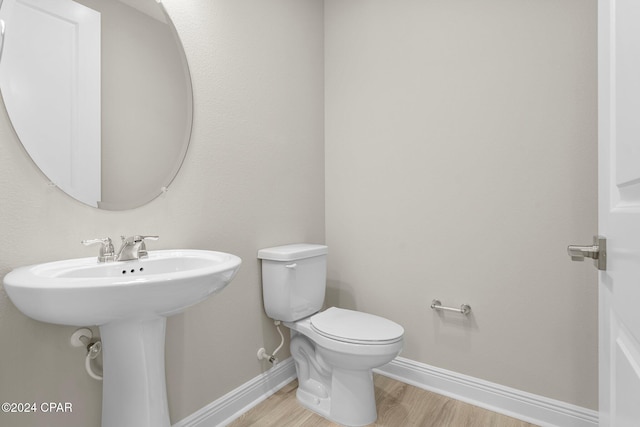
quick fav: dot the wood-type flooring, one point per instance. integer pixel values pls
(399, 405)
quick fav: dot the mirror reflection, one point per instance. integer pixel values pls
(99, 94)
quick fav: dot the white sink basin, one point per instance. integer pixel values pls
(84, 292)
(130, 301)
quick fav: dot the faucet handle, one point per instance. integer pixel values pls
(142, 249)
(138, 239)
(142, 253)
(107, 252)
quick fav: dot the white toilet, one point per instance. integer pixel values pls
(334, 350)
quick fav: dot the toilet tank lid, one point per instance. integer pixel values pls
(292, 252)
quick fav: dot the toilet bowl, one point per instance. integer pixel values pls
(334, 350)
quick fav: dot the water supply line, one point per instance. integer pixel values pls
(83, 337)
(93, 352)
(262, 353)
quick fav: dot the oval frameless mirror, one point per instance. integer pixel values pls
(99, 93)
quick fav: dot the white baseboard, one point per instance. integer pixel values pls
(528, 407)
(235, 403)
(518, 404)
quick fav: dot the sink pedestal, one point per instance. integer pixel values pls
(134, 392)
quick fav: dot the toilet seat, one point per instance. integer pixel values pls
(356, 327)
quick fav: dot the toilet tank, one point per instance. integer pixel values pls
(293, 280)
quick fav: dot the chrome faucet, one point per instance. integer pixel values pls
(133, 248)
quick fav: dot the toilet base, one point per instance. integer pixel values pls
(344, 396)
(351, 403)
(354, 405)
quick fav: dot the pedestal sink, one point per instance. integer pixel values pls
(130, 302)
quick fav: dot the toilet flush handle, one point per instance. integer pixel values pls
(294, 265)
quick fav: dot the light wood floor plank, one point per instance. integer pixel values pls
(399, 405)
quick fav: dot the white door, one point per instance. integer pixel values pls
(50, 80)
(619, 210)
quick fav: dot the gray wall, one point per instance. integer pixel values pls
(460, 162)
(253, 177)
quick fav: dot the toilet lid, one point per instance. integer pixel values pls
(356, 327)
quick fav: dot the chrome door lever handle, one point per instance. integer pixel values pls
(597, 252)
(579, 253)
